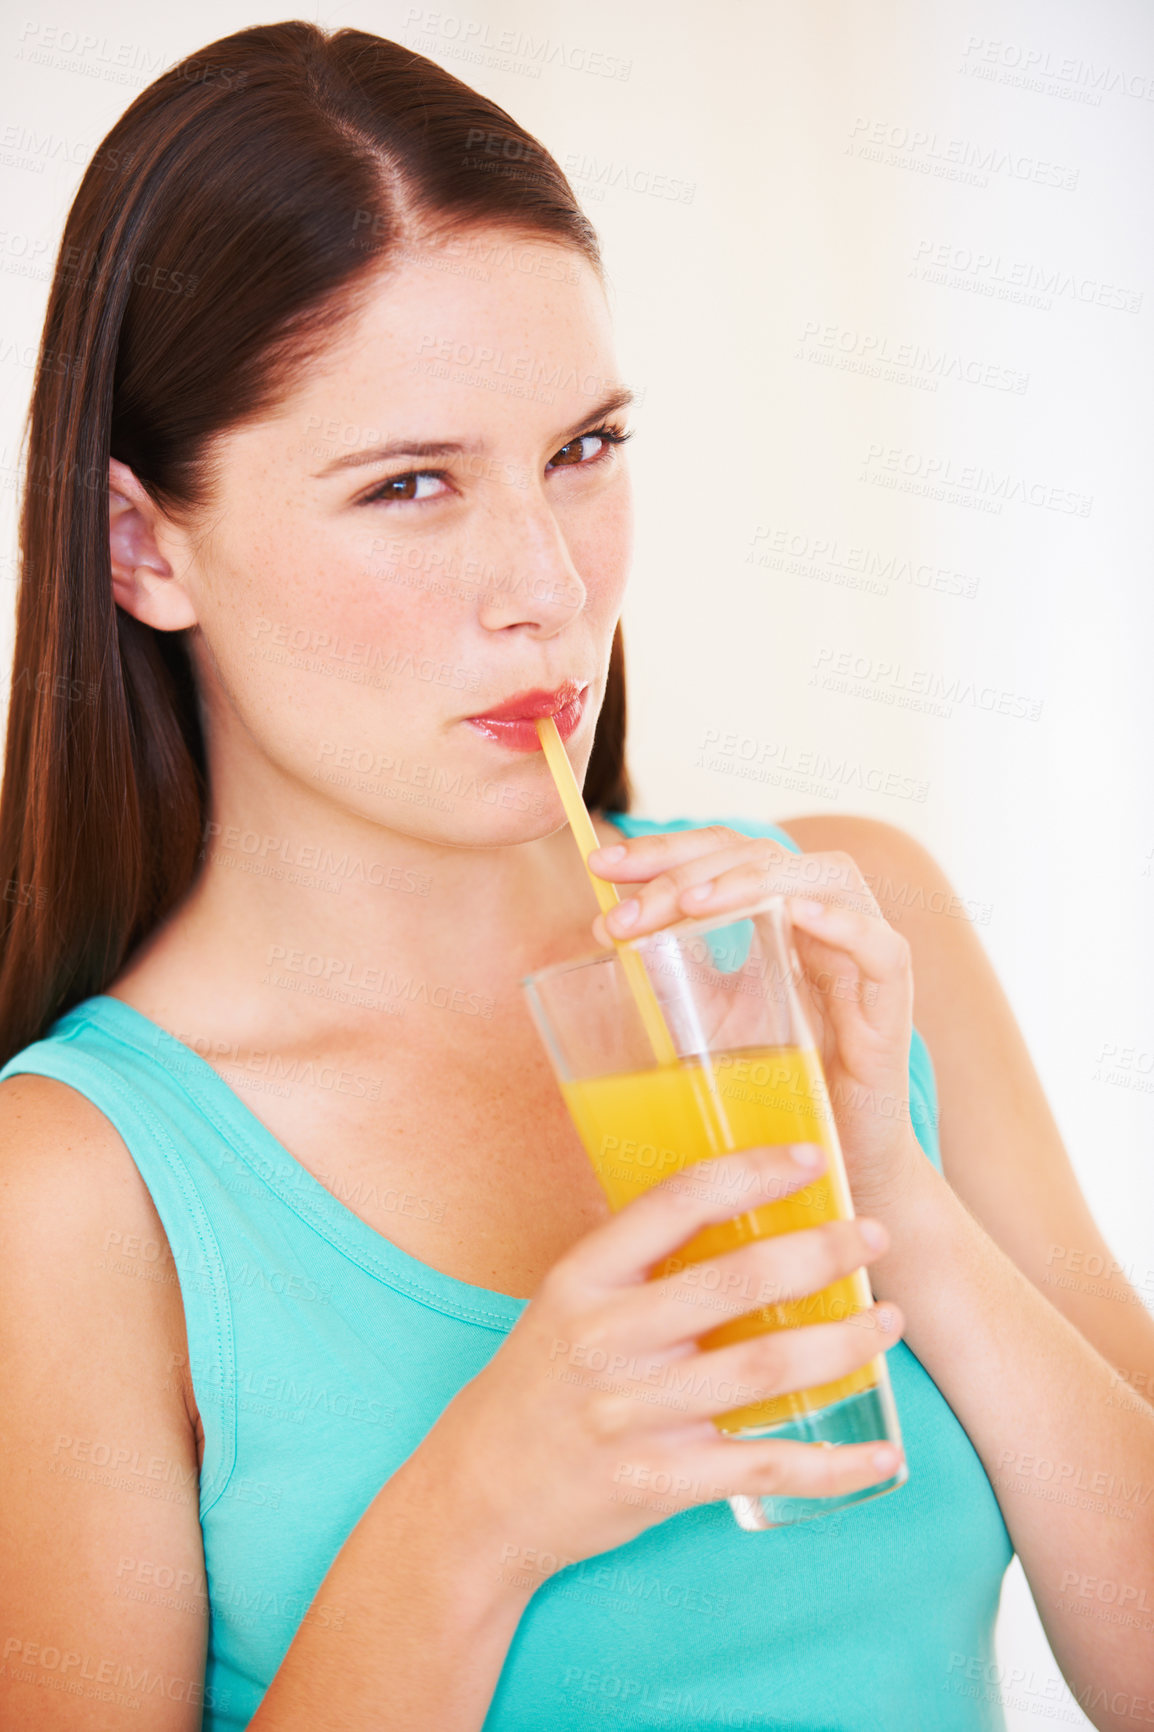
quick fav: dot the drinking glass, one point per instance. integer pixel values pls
(745, 1072)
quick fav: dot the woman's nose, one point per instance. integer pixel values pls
(535, 582)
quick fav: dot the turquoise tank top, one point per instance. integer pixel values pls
(321, 1354)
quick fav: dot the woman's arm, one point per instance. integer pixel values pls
(1073, 1474)
(1042, 1376)
(434, 1615)
(1001, 1149)
(101, 1563)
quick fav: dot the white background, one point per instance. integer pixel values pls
(790, 195)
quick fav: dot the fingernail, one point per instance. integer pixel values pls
(624, 914)
(699, 892)
(807, 910)
(887, 1319)
(874, 1234)
(609, 856)
(806, 1155)
(885, 1460)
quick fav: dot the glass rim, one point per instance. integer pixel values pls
(689, 925)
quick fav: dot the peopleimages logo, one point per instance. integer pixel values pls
(959, 267)
(509, 50)
(780, 765)
(881, 357)
(851, 565)
(859, 674)
(928, 152)
(1013, 62)
(938, 477)
(344, 867)
(596, 177)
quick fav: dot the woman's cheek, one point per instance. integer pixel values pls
(600, 539)
(291, 653)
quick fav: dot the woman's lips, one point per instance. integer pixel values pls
(513, 724)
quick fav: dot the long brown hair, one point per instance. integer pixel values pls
(219, 235)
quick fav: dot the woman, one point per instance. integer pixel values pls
(299, 1238)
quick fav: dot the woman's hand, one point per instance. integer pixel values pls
(857, 986)
(593, 1419)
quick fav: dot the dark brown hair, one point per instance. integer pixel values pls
(218, 237)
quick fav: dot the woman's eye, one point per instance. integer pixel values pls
(588, 448)
(421, 485)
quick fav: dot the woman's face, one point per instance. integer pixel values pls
(431, 527)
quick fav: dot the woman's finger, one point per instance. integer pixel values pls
(777, 1362)
(716, 878)
(776, 1270)
(857, 946)
(709, 883)
(651, 872)
(710, 1466)
(714, 884)
(621, 1251)
(675, 893)
(640, 858)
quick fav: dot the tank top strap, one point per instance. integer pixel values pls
(634, 826)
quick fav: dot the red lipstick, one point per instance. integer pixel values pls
(511, 723)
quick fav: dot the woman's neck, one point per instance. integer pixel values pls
(304, 927)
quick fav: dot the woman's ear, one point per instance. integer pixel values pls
(142, 580)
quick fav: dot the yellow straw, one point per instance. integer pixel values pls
(585, 837)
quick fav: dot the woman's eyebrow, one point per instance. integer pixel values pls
(423, 448)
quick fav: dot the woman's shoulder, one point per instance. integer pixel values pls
(52, 1132)
(868, 840)
(78, 1222)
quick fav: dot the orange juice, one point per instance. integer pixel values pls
(641, 1126)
